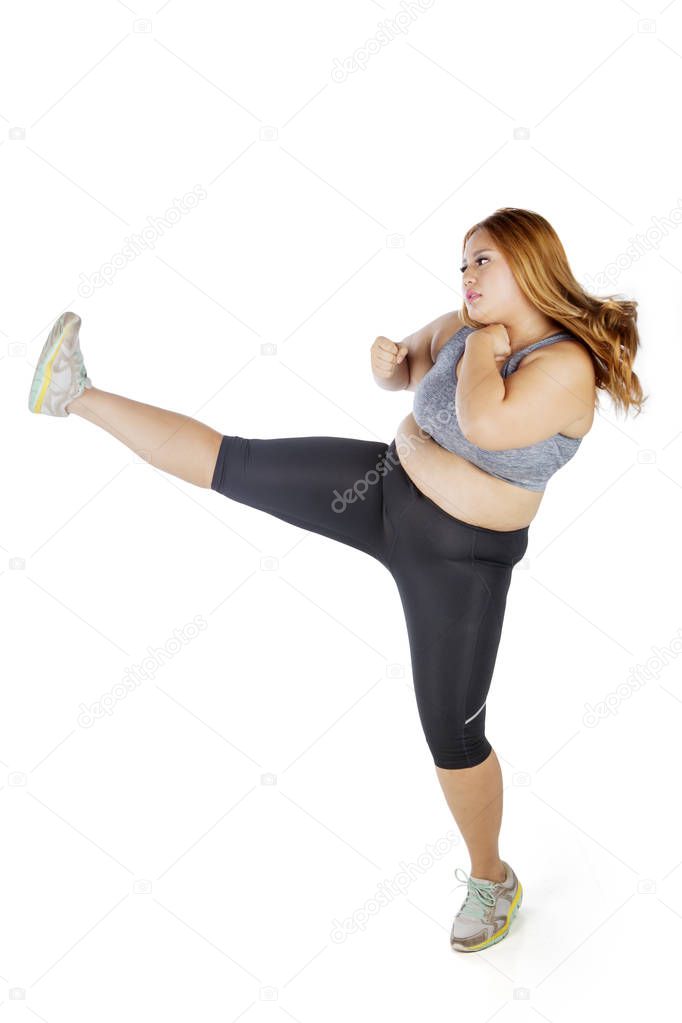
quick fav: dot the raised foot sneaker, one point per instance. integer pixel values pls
(487, 912)
(60, 375)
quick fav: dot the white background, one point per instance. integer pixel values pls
(195, 853)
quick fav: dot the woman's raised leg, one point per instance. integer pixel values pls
(329, 485)
(167, 440)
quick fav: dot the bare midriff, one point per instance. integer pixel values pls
(459, 487)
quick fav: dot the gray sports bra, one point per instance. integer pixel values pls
(529, 467)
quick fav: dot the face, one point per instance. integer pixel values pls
(486, 272)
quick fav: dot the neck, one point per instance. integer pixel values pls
(528, 331)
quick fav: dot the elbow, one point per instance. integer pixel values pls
(470, 422)
(470, 427)
(481, 432)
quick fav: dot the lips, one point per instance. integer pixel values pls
(471, 295)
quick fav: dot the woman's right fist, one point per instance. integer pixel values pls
(386, 355)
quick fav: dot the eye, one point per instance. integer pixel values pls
(477, 260)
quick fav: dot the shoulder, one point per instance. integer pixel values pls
(570, 364)
(570, 353)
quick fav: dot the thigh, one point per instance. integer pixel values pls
(453, 580)
(454, 629)
(333, 486)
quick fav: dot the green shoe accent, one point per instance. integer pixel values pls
(487, 912)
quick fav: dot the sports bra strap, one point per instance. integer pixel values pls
(537, 344)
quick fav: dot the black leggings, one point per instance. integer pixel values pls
(452, 577)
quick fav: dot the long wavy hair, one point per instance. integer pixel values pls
(607, 326)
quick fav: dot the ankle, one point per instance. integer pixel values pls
(489, 872)
(75, 404)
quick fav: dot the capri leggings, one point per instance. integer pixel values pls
(452, 576)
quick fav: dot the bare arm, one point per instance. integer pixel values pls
(481, 388)
(552, 391)
(421, 347)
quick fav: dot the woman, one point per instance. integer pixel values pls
(505, 390)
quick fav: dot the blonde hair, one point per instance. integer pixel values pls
(607, 326)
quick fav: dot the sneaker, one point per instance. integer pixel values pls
(60, 375)
(487, 912)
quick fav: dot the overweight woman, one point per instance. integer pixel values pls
(505, 389)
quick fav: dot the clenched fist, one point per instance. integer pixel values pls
(497, 332)
(386, 356)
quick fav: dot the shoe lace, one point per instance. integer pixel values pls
(479, 896)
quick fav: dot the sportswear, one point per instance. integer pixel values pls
(452, 576)
(487, 912)
(60, 374)
(434, 412)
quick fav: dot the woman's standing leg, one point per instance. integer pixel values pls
(474, 795)
(453, 580)
(167, 440)
(453, 631)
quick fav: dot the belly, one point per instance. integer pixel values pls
(460, 488)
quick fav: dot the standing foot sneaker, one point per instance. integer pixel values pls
(60, 375)
(487, 912)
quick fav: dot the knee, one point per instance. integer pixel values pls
(455, 742)
(220, 462)
(466, 751)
